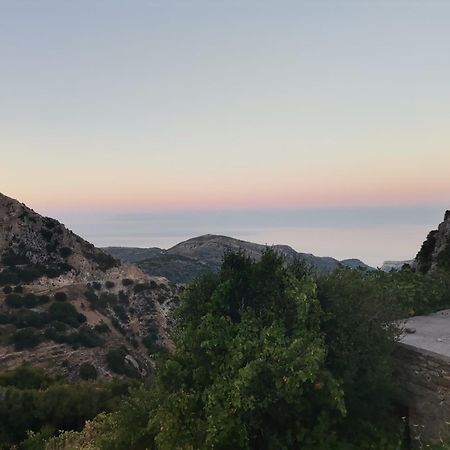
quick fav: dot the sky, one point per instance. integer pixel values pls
(217, 116)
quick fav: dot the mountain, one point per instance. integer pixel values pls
(186, 260)
(435, 251)
(64, 302)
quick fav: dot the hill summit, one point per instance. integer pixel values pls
(193, 257)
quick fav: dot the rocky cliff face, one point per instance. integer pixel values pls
(64, 302)
(435, 251)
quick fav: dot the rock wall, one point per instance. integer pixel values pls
(425, 382)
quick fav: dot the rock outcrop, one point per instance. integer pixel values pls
(435, 251)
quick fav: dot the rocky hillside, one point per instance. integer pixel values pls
(65, 303)
(435, 251)
(202, 254)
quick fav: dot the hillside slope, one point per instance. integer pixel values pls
(64, 302)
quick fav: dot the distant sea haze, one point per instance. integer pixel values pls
(371, 234)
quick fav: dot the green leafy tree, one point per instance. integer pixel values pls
(249, 369)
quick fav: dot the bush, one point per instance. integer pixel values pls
(65, 252)
(8, 276)
(30, 300)
(25, 318)
(87, 337)
(67, 313)
(117, 363)
(107, 298)
(102, 328)
(47, 235)
(87, 371)
(91, 296)
(14, 301)
(60, 296)
(109, 284)
(43, 299)
(25, 377)
(18, 289)
(127, 282)
(116, 360)
(7, 289)
(25, 338)
(12, 259)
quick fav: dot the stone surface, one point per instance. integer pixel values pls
(424, 373)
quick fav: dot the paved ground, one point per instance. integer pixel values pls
(431, 332)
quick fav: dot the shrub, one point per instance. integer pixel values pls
(47, 235)
(65, 252)
(102, 328)
(25, 377)
(67, 313)
(87, 371)
(43, 299)
(14, 301)
(5, 318)
(104, 261)
(97, 285)
(149, 342)
(29, 300)
(127, 282)
(25, 318)
(60, 296)
(8, 276)
(91, 296)
(12, 259)
(25, 338)
(18, 289)
(117, 363)
(7, 289)
(109, 284)
(88, 337)
(107, 298)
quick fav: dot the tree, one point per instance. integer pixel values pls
(249, 369)
(360, 329)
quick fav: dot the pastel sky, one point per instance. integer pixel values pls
(134, 106)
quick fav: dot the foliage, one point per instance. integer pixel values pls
(249, 369)
(7, 290)
(26, 338)
(60, 296)
(67, 313)
(117, 363)
(360, 334)
(87, 371)
(33, 401)
(65, 252)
